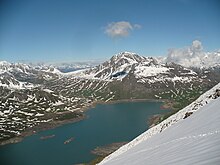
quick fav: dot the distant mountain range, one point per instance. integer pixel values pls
(34, 95)
(67, 66)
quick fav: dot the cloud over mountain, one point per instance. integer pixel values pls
(197, 45)
(120, 29)
(193, 56)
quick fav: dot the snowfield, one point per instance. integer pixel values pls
(193, 140)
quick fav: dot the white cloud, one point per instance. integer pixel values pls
(196, 45)
(193, 56)
(137, 26)
(120, 29)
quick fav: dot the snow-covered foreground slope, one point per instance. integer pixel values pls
(193, 140)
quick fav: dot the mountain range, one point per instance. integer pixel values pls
(32, 96)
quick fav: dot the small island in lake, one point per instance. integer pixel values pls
(46, 137)
(68, 140)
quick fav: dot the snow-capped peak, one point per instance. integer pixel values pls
(2, 63)
(119, 66)
(12, 73)
(13, 67)
(128, 57)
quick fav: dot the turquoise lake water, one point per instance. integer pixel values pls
(106, 124)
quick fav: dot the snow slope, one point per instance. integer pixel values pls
(194, 140)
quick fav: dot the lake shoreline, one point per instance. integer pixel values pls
(39, 128)
(55, 124)
(166, 103)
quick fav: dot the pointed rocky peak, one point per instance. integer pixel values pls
(8, 80)
(127, 57)
(4, 65)
(121, 64)
(13, 67)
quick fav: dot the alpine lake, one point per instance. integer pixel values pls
(72, 143)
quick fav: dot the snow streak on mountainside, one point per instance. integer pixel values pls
(191, 136)
(194, 56)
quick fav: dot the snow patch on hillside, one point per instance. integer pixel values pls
(17, 85)
(147, 71)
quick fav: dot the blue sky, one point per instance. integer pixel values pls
(81, 30)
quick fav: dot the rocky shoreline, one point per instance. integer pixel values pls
(42, 127)
(107, 149)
